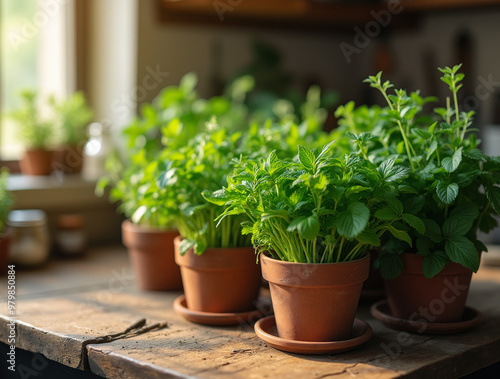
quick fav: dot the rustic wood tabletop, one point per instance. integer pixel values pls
(64, 308)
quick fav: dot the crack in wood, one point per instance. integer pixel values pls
(133, 330)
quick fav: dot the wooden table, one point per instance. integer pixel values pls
(66, 303)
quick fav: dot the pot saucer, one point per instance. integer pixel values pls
(266, 330)
(381, 312)
(264, 308)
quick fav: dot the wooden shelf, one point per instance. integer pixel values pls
(307, 14)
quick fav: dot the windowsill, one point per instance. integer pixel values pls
(70, 192)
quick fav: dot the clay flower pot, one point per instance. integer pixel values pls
(4, 251)
(373, 288)
(440, 299)
(315, 302)
(37, 162)
(68, 159)
(221, 280)
(151, 251)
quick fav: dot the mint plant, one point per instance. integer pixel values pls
(319, 209)
(452, 186)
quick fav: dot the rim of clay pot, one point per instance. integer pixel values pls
(316, 274)
(412, 264)
(216, 257)
(137, 228)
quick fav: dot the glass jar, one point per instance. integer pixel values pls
(96, 150)
(30, 244)
(70, 238)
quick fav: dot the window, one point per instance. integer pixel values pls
(36, 51)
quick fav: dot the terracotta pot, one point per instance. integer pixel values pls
(69, 159)
(37, 162)
(374, 287)
(440, 299)
(221, 280)
(5, 240)
(315, 302)
(151, 251)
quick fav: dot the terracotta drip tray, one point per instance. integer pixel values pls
(266, 330)
(263, 308)
(381, 312)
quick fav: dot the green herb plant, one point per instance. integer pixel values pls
(72, 116)
(452, 186)
(320, 209)
(34, 130)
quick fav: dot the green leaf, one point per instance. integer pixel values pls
(461, 250)
(493, 195)
(432, 148)
(396, 205)
(446, 192)
(390, 265)
(434, 263)
(139, 214)
(465, 211)
(450, 164)
(218, 197)
(308, 228)
(432, 230)
(325, 150)
(415, 222)
(400, 235)
(423, 245)
(475, 154)
(352, 221)
(386, 214)
(306, 157)
(369, 237)
(455, 226)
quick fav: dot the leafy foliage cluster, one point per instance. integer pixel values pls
(319, 209)
(63, 123)
(174, 123)
(452, 186)
(71, 117)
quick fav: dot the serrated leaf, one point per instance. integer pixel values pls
(434, 263)
(400, 235)
(308, 227)
(432, 230)
(493, 195)
(450, 164)
(432, 148)
(475, 154)
(446, 192)
(455, 226)
(306, 157)
(352, 221)
(386, 214)
(461, 250)
(324, 151)
(415, 222)
(467, 212)
(369, 237)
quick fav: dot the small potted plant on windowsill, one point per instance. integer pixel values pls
(453, 187)
(71, 116)
(6, 203)
(313, 221)
(36, 133)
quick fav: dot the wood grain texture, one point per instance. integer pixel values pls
(56, 317)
